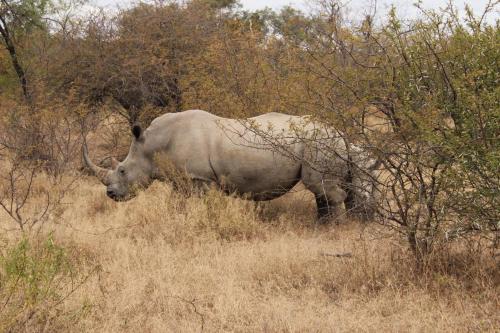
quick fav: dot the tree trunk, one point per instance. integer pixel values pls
(11, 48)
(176, 94)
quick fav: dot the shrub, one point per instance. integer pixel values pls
(36, 279)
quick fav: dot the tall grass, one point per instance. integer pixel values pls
(218, 263)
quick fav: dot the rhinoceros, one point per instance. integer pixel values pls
(261, 158)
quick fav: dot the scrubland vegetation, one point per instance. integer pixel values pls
(422, 96)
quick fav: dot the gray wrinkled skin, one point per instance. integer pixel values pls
(261, 158)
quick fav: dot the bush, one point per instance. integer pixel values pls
(36, 279)
(434, 82)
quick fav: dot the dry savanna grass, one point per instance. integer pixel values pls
(163, 262)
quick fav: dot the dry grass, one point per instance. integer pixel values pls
(167, 263)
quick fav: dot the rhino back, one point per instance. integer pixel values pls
(251, 163)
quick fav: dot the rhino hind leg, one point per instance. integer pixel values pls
(329, 196)
(324, 210)
(329, 211)
(350, 204)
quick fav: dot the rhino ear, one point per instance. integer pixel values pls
(137, 131)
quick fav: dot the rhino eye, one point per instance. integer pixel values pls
(122, 171)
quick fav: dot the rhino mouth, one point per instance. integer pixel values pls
(113, 196)
(130, 194)
(118, 197)
(123, 198)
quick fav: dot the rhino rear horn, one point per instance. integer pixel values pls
(114, 163)
(99, 172)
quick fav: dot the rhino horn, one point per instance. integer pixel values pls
(99, 172)
(114, 163)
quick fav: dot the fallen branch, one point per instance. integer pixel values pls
(337, 255)
(195, 309)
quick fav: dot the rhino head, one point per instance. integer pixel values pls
(125, 177)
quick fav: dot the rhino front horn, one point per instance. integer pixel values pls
(99, 172)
